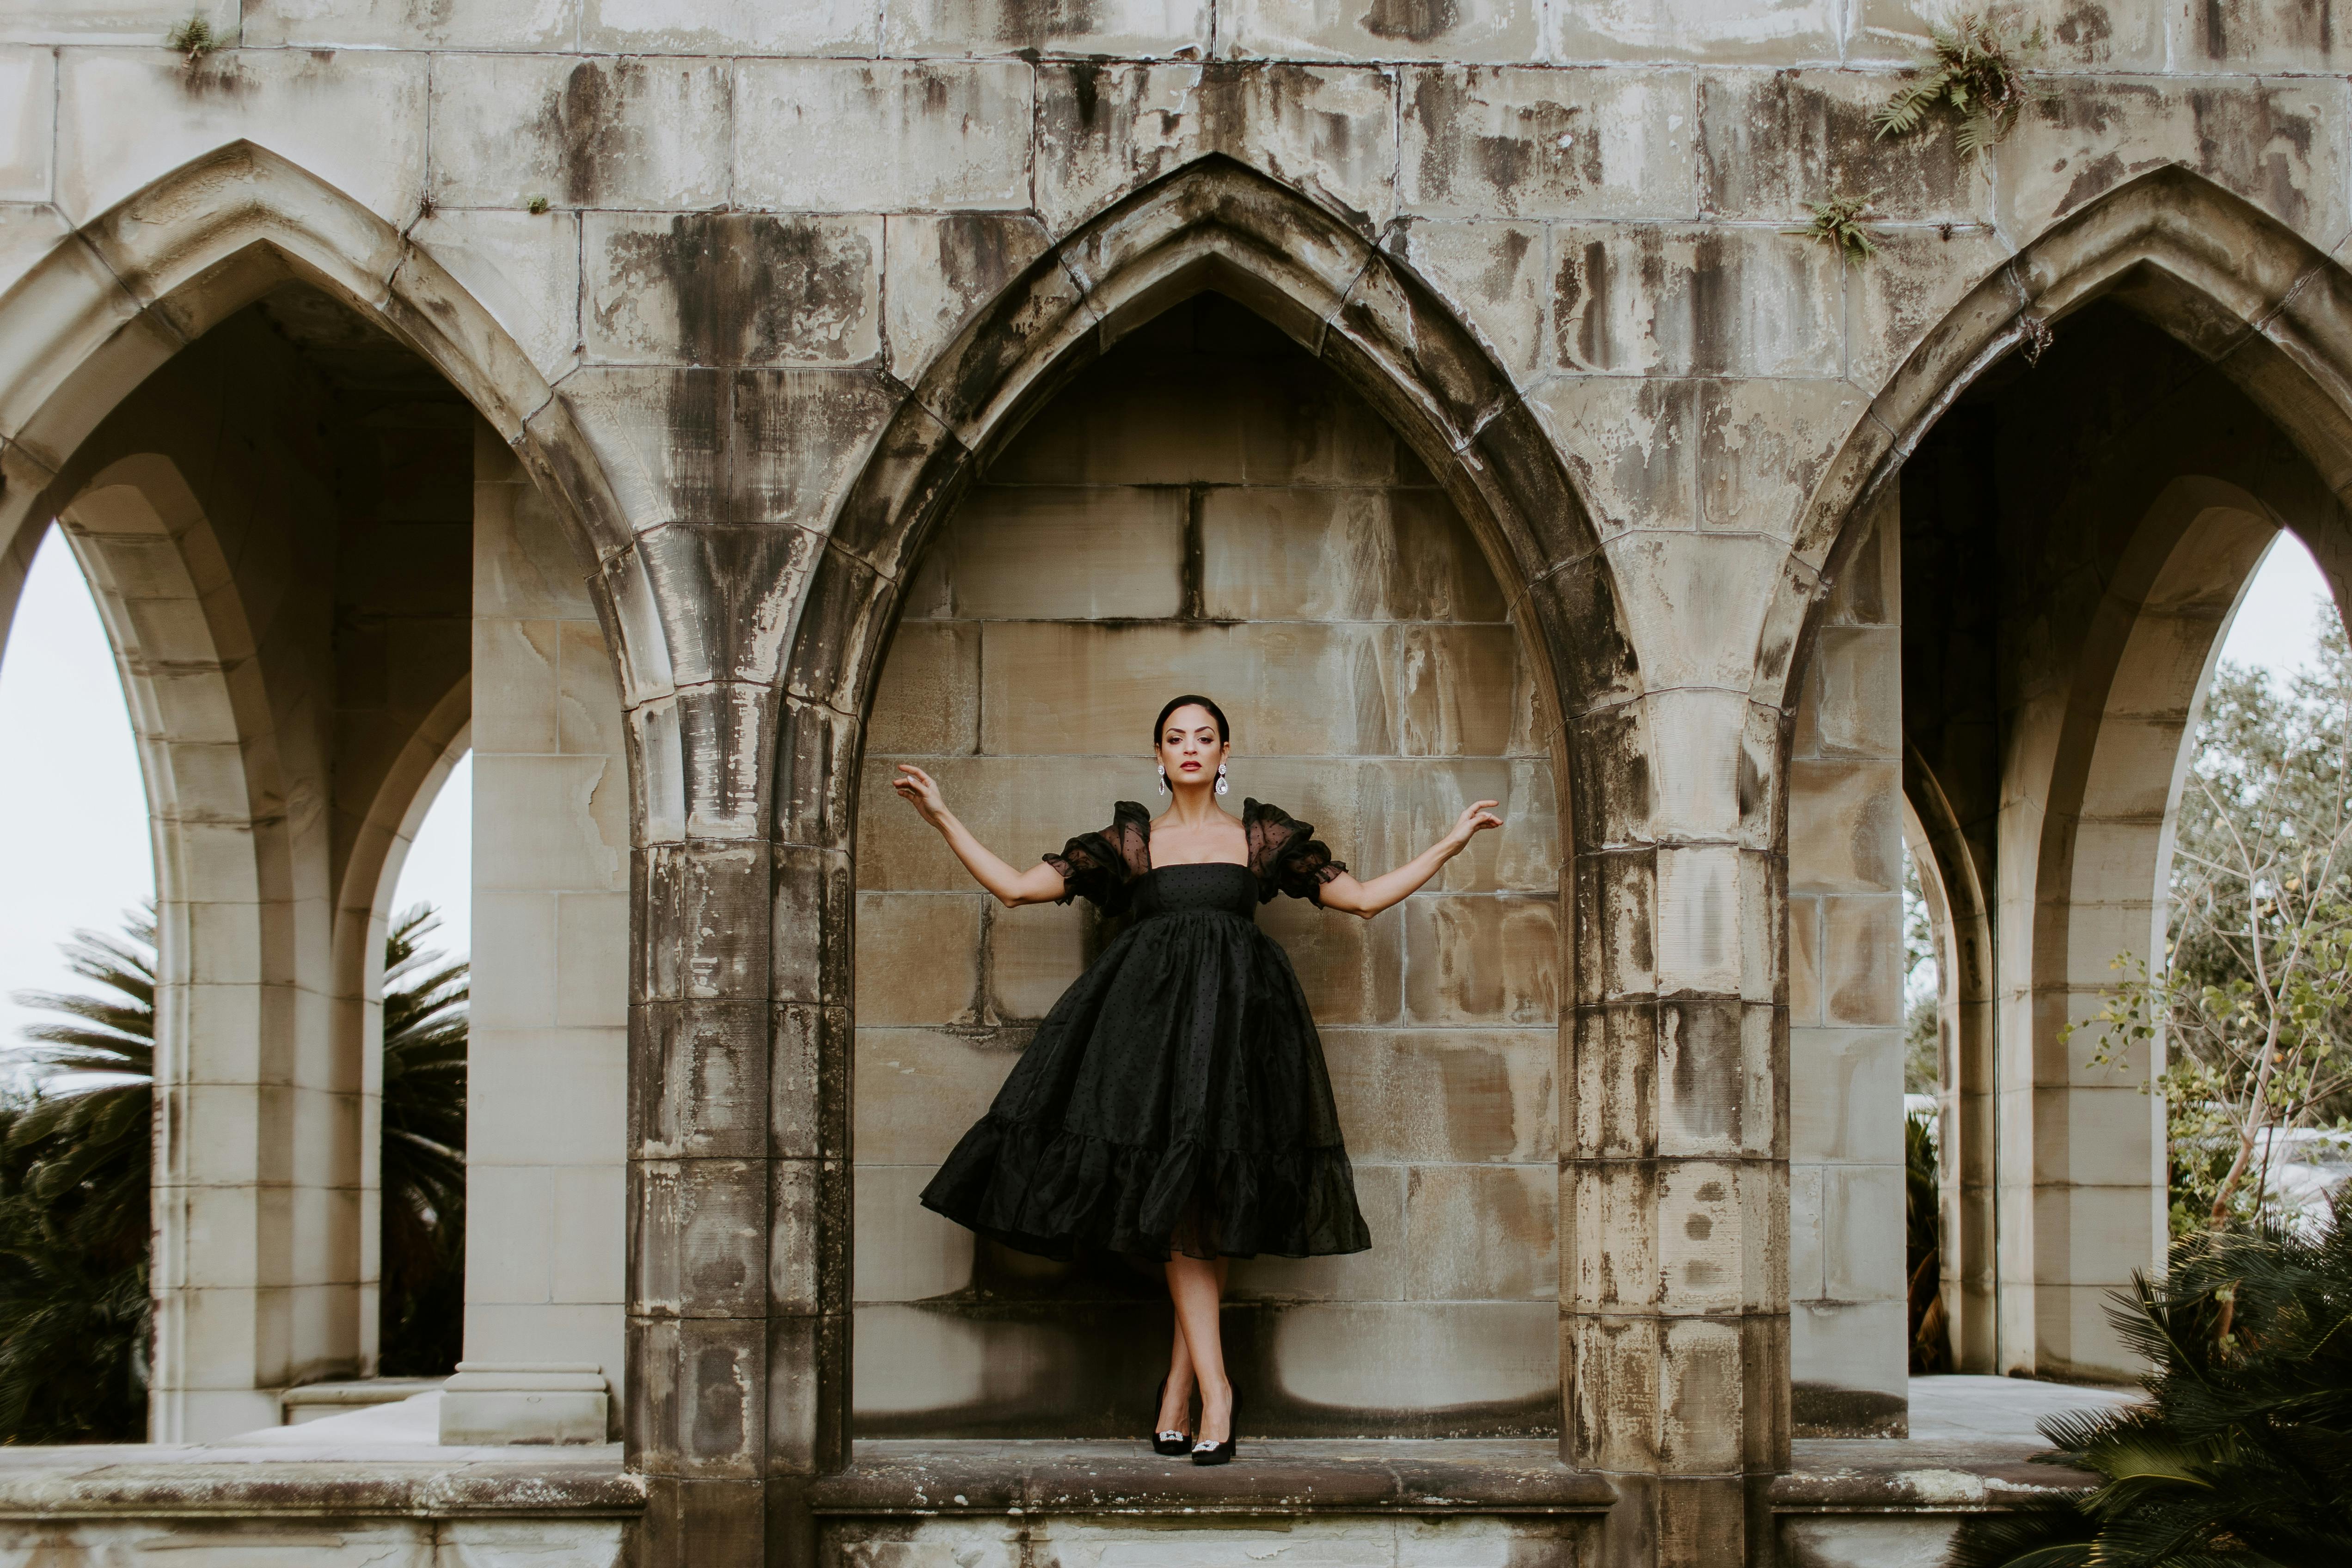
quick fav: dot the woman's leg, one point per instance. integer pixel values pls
(1197, 1287)
(1176, 1395)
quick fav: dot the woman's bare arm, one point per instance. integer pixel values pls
(1346, 894)
(1040, 884)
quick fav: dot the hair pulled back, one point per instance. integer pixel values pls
(1159, 728)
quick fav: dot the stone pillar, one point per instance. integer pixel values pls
(1673, 1203)
(216, 582)
(738, 1193)
(255, 1179)
(546, 1097)
(1849, 1334)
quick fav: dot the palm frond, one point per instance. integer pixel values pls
(2241, 1455)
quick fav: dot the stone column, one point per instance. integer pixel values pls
(547, 1064)
(1849, 1326)
(739, 1188)
(1674, 1206)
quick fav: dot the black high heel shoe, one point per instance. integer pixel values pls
(1222, 1453)
(1174, 1444)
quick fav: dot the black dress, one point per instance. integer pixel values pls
(1175, 1098)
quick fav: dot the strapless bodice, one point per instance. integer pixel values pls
(1213, 886)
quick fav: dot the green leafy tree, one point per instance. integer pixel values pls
(424, 1160)
(2252, 1003)
(74, 1161)
(2241, 1455)
(73, 1316)
(1923, 1247)
(1922, 1015)
(90, 1143)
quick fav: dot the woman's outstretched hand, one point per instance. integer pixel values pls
(1367, 899)
(1475, 818)
(1039, 884)
(923, 793)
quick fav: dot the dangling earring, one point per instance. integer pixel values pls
(1163, 778)
(1221, 778)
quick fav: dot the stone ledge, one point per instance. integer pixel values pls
(161, 1483)
(1863, 1475)
(1395, 1476)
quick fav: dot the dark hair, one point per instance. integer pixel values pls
(1224, 734)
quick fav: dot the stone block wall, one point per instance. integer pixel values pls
(1849, 1333)
(1209, 509)
(548, 1084)
(745, 291)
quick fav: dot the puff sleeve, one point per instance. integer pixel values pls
(1285, 854)
(1099, 867)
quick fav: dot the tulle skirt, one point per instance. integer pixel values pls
(1175, 1100)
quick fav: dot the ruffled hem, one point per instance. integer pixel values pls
(1049, 1191)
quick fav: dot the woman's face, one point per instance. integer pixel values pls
(1188, 747)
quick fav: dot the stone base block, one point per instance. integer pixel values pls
(525, 1402)
(319, 1401)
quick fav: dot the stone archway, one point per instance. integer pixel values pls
(380, 843)
(2247, 298)
(2090, 1209)
(230, 977)
(1673, 1353)
(1962, 918)
(82, 329)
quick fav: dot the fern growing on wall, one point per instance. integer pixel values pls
(1974, 70)
(1838, 224)
(193, 38)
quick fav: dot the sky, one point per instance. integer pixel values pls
(74, 850)
(73, 820)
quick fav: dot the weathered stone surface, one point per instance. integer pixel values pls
(1770, 145)
(1114, 553)
(1103, 129)
(750, 446)
(1120, 29)
(1675, 301)
(884, 135)
(1444, 1095)
(28, 85)
(1926, 275)
(940, 270)
(2100, 36)
(727, 27)
(1501, 30)
(580, 131)
(28, 234)
(732, 288)
(1844, 831)
(1482, 960)
(290, 101)
(1629, 441)
(1614, 30)
(101, 21)
(373, 24)
(1494, 277)
(1762, 447)
(525, 271)
(2258, 139)
(1525, 142)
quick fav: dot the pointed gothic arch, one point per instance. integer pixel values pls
(81, 332)
(1216, 225)
(2043, 1239)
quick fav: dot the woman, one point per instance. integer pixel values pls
(1174, 1105)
